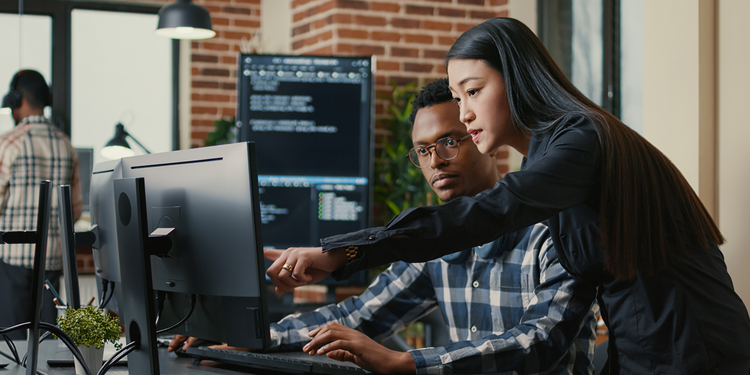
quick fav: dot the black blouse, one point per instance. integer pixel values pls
(686, 319)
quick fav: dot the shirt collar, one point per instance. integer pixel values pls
(34, 119)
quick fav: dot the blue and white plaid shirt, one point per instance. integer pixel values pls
(508, 311)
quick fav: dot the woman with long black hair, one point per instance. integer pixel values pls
(621, 215)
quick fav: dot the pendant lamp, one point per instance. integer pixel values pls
(184, 20)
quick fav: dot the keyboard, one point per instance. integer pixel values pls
(281, 363)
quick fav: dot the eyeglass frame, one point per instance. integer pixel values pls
(434, 150)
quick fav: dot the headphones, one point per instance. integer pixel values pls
(12, 99)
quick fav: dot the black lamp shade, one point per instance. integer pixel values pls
(184, 20)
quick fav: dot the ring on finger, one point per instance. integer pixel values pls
(288, 267)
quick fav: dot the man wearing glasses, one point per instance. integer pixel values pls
(508, 304)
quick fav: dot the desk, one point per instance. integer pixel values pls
(169, 363)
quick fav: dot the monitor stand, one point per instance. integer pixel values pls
(137, 304)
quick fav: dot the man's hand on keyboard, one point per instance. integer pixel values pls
(345, 344)
(187, 342)
(179, 340)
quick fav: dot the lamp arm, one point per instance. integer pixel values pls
(139, 143)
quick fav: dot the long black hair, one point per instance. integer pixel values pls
(648, 213)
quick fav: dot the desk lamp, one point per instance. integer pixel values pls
(184, 20)
(118, 147)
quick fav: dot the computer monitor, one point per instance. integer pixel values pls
(208, 198)
(312, 119)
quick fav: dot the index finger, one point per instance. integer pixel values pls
(272, 254)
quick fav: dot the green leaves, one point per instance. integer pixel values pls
(88, 326)
(223, 133)
(399, 185)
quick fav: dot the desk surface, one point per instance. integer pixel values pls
(169, 363)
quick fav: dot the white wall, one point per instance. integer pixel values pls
(695, 100)
(733, 133)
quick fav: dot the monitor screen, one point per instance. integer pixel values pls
(311, 118)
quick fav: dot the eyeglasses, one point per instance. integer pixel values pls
(446, 148)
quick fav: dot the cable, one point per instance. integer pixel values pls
(109, 297)
(192, 308)
(105, 286)
(12, 347)
(116, 357)
(68, 342)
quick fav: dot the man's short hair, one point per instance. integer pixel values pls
(435, 92)
(33, 88)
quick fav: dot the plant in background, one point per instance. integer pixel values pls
(89, 326)
(398, 184)
(223, 132)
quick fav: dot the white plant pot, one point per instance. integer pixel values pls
(93, 358)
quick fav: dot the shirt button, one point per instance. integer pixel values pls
(475, 284)
(473, 329)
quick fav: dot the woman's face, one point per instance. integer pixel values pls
(480, 94)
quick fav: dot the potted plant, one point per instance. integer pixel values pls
(90, 329)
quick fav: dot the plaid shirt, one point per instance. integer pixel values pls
(506, 313)
(30, 153)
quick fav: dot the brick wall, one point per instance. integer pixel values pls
(214, 63)
(409, 38)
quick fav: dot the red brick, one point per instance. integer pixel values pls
(461, 27)
(379, 6)
(379, 80)
(425, 11)
(194, 44)
(471, 2)
(448, 12)
(219, 21)
(328, 50)
(228, 111)
(319, 24)
(422, 68)
(446, 40)
(299, 16)
(369, 50)
(440, 68)
(254, 2)
(247, 23)
(340, 18)
(485, 15)
(370, 21)
(204, 58)
(345, 48)
(498, 2)
(405, 23)
(502, 13)
(234, 35)
(321, 8)
(209, 98)
(386, 36)
(418, 38)
(195, 71)
(216, 46)
(388, 65)
(228, 86)
(203, 110)
(434, 54)
(299, 30)
(441, 26)
(212, 9)
(404, 52)
(196, 122)
(204, 84)
(298, 44)
(215, 72)
(236, 10)
(502, 154)
(351, 34)
(232, 60)
(296, 3)
(352, 4)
